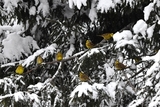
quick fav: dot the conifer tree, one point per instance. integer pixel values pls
(33, 29)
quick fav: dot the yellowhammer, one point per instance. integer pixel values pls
(20, 69)
(59, 56)
(119, 66)
(83, 77)
(107, 36)
(39, 60)
(137, 59)
(89, 44)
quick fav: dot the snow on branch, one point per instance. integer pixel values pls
(92, 90)
(135, 103)
(45, 51)
(90, 52)
(10, 4)
(155, 100)
(140, 27)
(86, 89)
(105, 5)
(77, 3)
(125, 38)
(19, 96)
(43, 7)
(6, 96)
(93, 11)
(147, 11)
(15, 46)
(155, 66)
(155, 58)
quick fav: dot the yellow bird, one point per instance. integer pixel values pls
(59, 56)
(89, 44)
(119, 66)
(137, 59)
(107, 36)
(39, 60)
(20, 69)
(83, 77)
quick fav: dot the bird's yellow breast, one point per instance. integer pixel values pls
(59, 56)
(39, 60)
(20, 69)
(89, 44)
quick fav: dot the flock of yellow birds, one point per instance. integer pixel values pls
(39, 60)
(106, 36)
(119, 66)
(82, 76)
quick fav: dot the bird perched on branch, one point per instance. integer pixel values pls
(97, 34)
(19, 69)
(59, 56)
(39, 60)
(83, 77)
(89, 44)
(107, 36)
(119, 66)
(97, 38)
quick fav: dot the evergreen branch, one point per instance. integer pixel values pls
(149, 65)
(6, 96)
(55, 61)
(50, 80)
(59, 68)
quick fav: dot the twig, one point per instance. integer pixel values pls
(6, 96)
(50, 80)
(149, 65)
(59, 68)
(55, 61)
(130, 84)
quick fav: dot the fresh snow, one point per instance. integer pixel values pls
(125, 34)
(155, 66)
(93, 11)
(19, 96)
(135, 103)
(43, 7)
(15, 46)
(9, 4)
(110, 89)
(45, 51)
(34, 97)
(104, 5)
(72, 48)
(155, 57)
(125, 38)
(150, 31)
(140, 27)
(32, 10)
(130, 2)
(109, 71)
(148, 82)
(77, 3)
(90, 53)
(147, 11)
(87, 89)
(155, 100)
(35, 87)
(92, 90)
